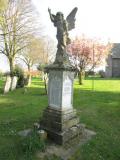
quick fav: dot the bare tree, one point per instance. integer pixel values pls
(49, 56)
(3, 4)
(18, 20)
(33, 54)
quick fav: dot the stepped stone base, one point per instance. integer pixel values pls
(61, 126)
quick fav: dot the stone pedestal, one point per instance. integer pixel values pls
(60, 89)
(61, 126)
(59, 118)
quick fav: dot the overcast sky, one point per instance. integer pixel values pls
(95, 18)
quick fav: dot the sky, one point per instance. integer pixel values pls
(95, 18)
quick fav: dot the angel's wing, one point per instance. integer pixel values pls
(71, 19)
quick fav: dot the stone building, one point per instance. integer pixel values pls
(113, 62)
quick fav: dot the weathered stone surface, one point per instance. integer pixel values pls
(113, 62)
(65, 152)
(14, 83)
(42, 134)
(108, 72)
(63, 26)
(25, 133)
(60, 89)
(7, 84)
(61, 126)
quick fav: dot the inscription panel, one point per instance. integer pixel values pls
(55, 92)
(67, 93)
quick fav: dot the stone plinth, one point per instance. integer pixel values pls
(59, 118)
(61, 126)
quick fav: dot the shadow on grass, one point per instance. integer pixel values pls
(98, 78)
(87, 96)
(19, 111)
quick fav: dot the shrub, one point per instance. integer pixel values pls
(89, 73)
(18, 71)
(31, 143)
(102, 73)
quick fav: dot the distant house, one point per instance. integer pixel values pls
(113, 62)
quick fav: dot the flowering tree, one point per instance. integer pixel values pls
(87, 54)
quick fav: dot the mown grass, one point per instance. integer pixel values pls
(18, 111)
(99, 109)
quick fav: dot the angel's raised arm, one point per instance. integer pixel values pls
(52, 16)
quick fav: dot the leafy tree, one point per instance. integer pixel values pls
(33, 54)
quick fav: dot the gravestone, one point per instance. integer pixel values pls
(7, 84)
(14, 83)
(59, 118)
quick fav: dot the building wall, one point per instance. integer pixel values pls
(113, 62)
(108, 69)
(116, 67)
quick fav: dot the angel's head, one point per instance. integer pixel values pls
(59, 16)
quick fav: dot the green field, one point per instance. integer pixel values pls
(99, 109)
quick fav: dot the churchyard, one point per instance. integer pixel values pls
(98, 109)
(48, 111)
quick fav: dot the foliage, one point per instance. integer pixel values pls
(89, 73)
(102, 73)
(40, 67)
(87, 53)
(18, 71)
(31, 143)
(3, 4)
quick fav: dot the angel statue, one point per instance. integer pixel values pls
(63, 26)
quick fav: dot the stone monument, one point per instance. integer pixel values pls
(14, 83)
(59, 118)
(7, 84)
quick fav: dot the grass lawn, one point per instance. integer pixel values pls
(99, 109)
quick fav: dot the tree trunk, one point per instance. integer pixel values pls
(46, 83)
(29, 80)
(80, 77)
(11, 62)
(29, 77)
